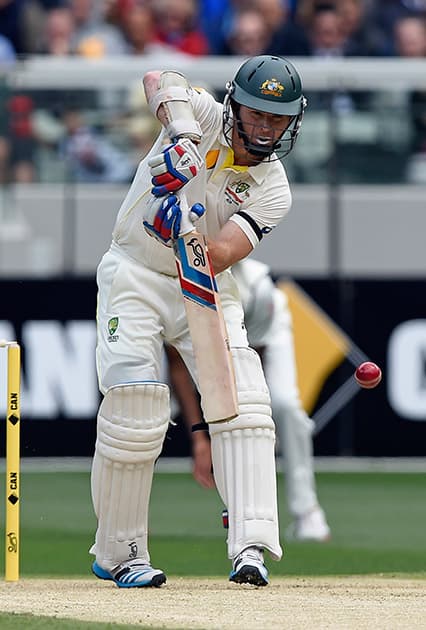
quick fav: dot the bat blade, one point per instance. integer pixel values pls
(207, 327)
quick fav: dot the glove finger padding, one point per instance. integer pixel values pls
(164, 178)
(156, 161)
(171, 218)
(174, 167)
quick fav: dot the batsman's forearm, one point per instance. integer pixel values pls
(229, 247)
(187, 398)
(183, 388)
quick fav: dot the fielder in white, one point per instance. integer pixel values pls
(269, 329)
(226, 156)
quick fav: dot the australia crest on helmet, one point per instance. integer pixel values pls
(272, 87)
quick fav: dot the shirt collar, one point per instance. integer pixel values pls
(258, 172)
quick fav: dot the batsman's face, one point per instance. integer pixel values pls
(262, 129)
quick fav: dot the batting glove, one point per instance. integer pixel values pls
(174, 167)
(171, 219)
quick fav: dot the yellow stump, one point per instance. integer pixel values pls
(12, 462)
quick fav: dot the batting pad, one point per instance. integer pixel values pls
(243, 453)
(132, 423)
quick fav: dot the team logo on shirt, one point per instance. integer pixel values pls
(112, 329)
(241, 187)
(272, 87)
(237, 192)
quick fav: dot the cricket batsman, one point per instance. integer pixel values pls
(226, 157)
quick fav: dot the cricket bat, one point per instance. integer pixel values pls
(213, 359)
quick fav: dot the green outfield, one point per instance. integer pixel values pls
(377, 521)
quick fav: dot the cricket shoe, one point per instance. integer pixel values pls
(130, 574)
(248, 568)
(312, 526)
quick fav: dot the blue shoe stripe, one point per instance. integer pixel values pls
(132, 578)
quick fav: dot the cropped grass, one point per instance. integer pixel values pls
(377, 522)
(29, 622)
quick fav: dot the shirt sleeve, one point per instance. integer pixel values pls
(266, 207)
(207, 110)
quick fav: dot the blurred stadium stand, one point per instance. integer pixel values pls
(357, 172)
(354, 238)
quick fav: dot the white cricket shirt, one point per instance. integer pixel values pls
(255, 197)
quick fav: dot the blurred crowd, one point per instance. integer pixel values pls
(101, 28)
(97, 28)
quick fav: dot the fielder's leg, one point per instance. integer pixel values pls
(294, 429)
(243, 453)
(132, 423)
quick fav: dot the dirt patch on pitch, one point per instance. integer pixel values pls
(214, 604)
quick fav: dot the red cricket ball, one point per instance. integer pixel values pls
(368, 375)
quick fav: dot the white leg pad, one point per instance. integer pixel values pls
(243, 453)
(132, 424)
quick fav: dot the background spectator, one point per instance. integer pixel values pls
(341, 28)
(7, 52)
(20, 109)
(326, 35)
(385, 13)
(138, 28)
(90, 157)
(176, 25)
(21, 21)
(4, 141)
(94, 36)
(287, 38)
(4, 159)
(248, 35)
(410, 37)
(361, 37)
(211, 15)
(12, 14)
(115, 10)
(410, 42)
(58, 32)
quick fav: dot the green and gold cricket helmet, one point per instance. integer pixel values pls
(270, 84)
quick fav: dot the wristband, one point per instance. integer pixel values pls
(200, 426)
